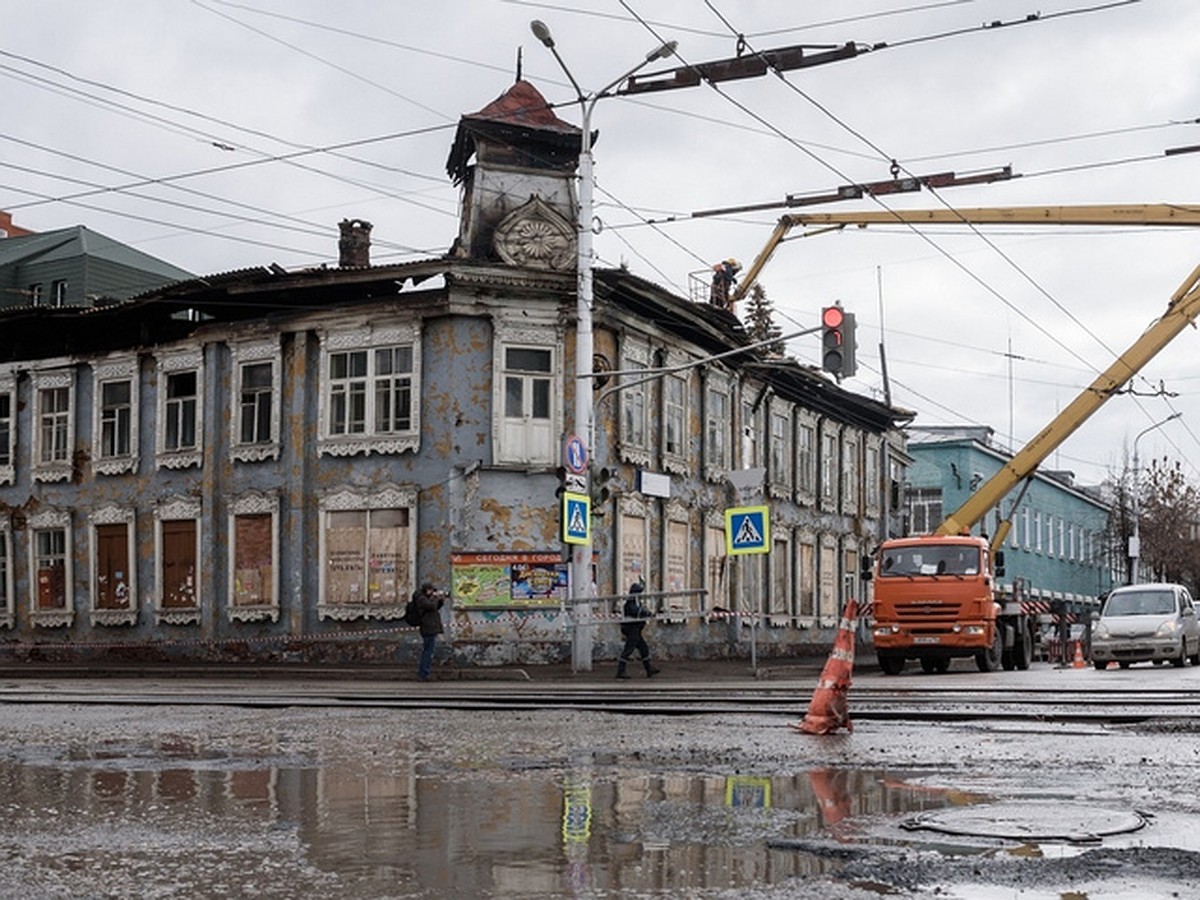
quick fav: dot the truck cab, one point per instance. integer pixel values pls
(934, 601)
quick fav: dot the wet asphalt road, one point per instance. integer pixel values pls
(307, 795)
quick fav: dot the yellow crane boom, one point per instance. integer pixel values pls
(1182, 309)
(1147, 214)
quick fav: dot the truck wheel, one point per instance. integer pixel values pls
(1023, 651)
(989, 660)
(890, 664)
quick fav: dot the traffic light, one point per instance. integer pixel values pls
(561, 472)
(838, 342)
(601, 488)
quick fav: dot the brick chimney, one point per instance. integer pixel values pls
(354, 245)
(8, 229)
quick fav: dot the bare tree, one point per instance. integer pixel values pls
(1170, 511)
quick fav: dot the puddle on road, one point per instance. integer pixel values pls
(176, 817)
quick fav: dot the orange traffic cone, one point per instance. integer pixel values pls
(1079, 662)
(828, 711)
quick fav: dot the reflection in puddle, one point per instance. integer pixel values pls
(246, 824)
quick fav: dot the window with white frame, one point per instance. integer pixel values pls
(371, 391)
(177, 545)
(180, 409)
(635, 402)
(716, 562)
(717, 426)
(7, 612)
(1026, 542)
(851, 474)
(871, 478)
(677, 561)
(8, 426)
(925, 509)
(253, 558)
(751, 433)
(781, 453)
(115, 418)
(1037, 532)
(527, 431)
(50, 555)
(780, 600)
(806, 569)
(114, 575)
(60, 292)
(830, 468)
(54, 424)
(806, 458)
(1062, 538)
(675, 416)
(256, 401)
(368, 553)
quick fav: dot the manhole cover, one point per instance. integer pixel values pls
(1029, 822)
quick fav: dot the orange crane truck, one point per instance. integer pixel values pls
(936, 596)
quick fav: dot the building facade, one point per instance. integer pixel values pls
(263, 465)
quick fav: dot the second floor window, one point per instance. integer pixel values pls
(116, 418)
(675, 419)
(181, 405)
(716, 439)
(6, 420)
(526, 434)
(829, 466)
(371, 391)
(254, 408)
(806, 438)
(54, 418)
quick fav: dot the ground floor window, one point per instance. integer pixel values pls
(6, 604)
(368, 554)
(113, 573)
(253, 551)
(780, 600)
(829, 601)
(806, 606)
(50, 564)
(716, 564)
(178, 540)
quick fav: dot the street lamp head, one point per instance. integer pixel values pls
(542, 32)
(662, 51)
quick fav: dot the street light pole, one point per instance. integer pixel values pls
(581, 556)
(1135, 540)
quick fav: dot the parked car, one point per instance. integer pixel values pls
(1146, 622)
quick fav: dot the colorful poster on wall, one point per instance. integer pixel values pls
(508, 579)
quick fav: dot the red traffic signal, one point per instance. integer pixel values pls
(837, 342)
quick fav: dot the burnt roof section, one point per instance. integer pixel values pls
(717, 330)
(522, 122)
(173, 312)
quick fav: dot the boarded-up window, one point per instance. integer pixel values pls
(781, 581)
(633, 551)
(829, 583)
(367, 556)
(676, 573)
(715, 567)
(179, 564)
(112, 566)
(805, 571)
(253, 565)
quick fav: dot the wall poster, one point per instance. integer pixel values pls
(508, 579)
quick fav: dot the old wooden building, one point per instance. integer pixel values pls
(263, 464)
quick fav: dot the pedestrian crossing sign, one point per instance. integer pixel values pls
(576, 518)
(747, 530)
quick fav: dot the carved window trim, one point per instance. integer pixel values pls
(781, 450)
(807, 455)
(718, 425)
(243, 354)
(8, 428)
(677, 460)
(104, 372)
(8, 616)
(509, 335)
(248, 504)
(370, 339)
(175, 509)
(635, 402)
(54, 379)
(51, 518)
(167, 365)
(386, 497)
(114, 515)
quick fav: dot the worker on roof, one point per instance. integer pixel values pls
(724, 277)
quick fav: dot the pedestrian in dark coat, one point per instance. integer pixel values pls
(429, 601)
(634, 616)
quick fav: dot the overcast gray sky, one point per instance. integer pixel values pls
(222, 135)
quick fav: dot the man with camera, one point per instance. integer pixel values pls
(429, 601)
